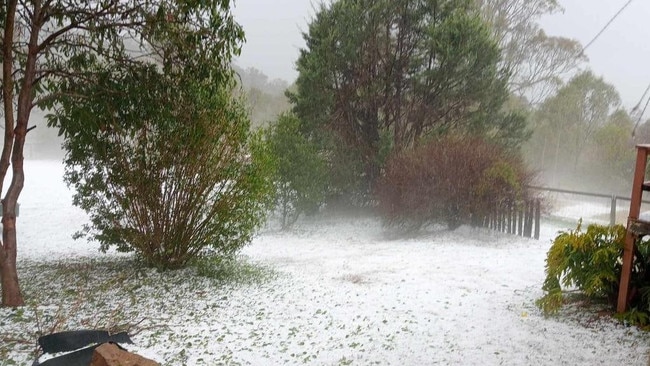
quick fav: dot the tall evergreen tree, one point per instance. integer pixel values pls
(381, 74)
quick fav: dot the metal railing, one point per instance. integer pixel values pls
(612, 197)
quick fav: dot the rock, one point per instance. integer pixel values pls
(109, 354)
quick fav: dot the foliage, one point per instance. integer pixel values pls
(301, 178)
(537, 62)
(349, 187)
(179, 175)
(389, 73)
(612, 150)
(265, 100)
(566, 124)
(161, 156)
(590, 261)
(456, 180)
(44, 41)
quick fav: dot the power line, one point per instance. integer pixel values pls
(645, 93)
(636, 108)
(640, 117)
(606, 26)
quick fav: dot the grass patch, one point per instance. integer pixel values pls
(233, 270)
(117, 294)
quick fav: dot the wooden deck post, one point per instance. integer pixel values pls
(630, 237)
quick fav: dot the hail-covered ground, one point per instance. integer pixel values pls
(331, 291)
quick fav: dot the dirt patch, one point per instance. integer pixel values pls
(357, 279)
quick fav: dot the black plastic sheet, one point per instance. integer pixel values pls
(76, 341)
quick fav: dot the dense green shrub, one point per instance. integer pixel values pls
(454, 180)
(348, 186)
(161, 155)
(301, 178)
(166, 173)
(590, 262)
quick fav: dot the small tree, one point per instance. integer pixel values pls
(454, 180)
(40, 40)
(161, 155)
(301, 177)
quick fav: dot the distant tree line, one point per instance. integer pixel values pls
(265, 99)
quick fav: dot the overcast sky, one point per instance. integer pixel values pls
(621, 55)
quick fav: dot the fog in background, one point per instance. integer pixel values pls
(274, 39)
(273, 34)
(42, 143)
(621, 54)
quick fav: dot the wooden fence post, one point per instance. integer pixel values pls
(528, 224)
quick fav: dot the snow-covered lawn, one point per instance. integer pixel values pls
(332, 291)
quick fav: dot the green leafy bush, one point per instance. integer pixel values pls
(162, 157)
(590, 261)
(455, 180)
(301, 176)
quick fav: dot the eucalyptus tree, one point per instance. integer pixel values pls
(613, 147)
(569, 120)
(538, 62)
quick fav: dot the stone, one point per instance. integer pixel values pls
(109, 354)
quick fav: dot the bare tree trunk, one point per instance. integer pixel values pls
(11, 294)
(14, 144)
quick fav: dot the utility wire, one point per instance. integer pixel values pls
(645, 93)
(642, 98)
(640, 117)
(636, 108)
(606, 26)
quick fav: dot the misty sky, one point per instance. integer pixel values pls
(621, 55)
